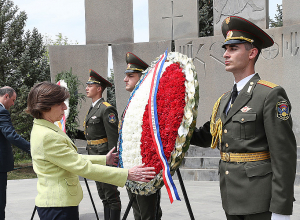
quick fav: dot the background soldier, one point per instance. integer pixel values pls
(144, 207)
(101, 133)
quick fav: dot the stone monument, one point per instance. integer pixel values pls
(256, 11)
(278, 64)
(108, 21)
(290, 12)
(170, 20)
(178, 20)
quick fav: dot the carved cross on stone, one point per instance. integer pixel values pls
(172, 17)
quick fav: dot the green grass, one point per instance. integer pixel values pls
(23, 170)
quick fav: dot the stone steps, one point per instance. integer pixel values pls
(198, 174)
(200, 162)
(81, 150)
(81, 146)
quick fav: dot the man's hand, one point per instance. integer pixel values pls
(112, 158)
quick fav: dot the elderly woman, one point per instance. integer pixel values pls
(57, 163)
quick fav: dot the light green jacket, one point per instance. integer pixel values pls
(57, 165)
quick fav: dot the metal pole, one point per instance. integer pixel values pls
(88, 188)
(32, 216)
(128, 208)
(185, 195)
(157, 204)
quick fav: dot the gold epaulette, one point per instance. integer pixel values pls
(106, 104)
(266, 83)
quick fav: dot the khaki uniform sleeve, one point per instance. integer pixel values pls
(283, 150)
(110, 121)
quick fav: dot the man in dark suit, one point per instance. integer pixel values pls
(252, 127)
(144, 207)
(8, 136)
(101, 133)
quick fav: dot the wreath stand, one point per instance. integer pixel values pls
(186, 199)
(88, 188)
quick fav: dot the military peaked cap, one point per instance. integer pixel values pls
(95, 78)
(134, 63)
(238, 30)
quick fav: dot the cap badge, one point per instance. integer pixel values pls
(128, 66)
(227, 20)
(229, 34)
(127, 54)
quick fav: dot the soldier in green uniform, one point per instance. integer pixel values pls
(252, 127)
(144, 207)
(101, 133)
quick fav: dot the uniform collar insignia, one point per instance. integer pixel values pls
(245, 109)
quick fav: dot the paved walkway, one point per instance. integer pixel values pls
(204, 198)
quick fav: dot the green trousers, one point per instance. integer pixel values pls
(144, 207)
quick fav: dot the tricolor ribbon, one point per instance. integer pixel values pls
(154, 126)
(62, 123)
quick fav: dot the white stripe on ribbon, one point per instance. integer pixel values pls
(62, 123)
(154, 125)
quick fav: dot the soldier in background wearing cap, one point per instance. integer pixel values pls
(101, 133)
(144, 207)
(252, 127)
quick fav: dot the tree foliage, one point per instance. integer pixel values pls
(206, 18)
(76, 98)
(60, 40)
(22, 62)
(278, 21)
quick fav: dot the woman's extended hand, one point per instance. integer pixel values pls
(141, 173)
(112, 158)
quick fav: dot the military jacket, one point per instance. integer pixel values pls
(259, 120)
(102, 122)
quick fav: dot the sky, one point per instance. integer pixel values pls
(67, 17)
